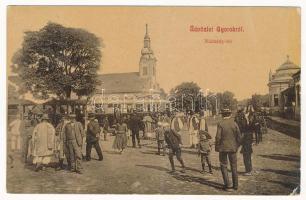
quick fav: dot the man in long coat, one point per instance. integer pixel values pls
(43, 139)
(135, 124)
(61, 147)
(228, 139)
(246, 131)
(74, 134)
(92, 138)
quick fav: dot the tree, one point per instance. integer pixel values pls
(57, 60)
(186, 95)
(227, 100)
(258, 101)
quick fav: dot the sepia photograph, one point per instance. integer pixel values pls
(188, 100)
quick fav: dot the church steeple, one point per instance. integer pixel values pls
(147, 61)
(147, 40)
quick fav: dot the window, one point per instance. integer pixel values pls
(275, 99)
(145, 71)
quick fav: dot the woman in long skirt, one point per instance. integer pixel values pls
(120, 141)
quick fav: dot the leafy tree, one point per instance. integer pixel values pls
(258, 101)
(57, 60)
(186, 95)
(227, 100)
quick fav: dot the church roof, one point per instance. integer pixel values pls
(288, 65)
(284, 72)
(123, 83)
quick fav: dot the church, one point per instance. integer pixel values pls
(125, 92)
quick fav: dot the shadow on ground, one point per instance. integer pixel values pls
(188, 178)
(292, 158)
(283, 172)
(154, 167)
(185, 177)
(292, 186)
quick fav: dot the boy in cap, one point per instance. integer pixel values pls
(204, 149)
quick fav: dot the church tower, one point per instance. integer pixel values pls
(147, 63)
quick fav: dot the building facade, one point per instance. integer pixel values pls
(297, 88)
(125, 92)
(278, 83)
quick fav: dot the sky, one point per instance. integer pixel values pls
(242, 66)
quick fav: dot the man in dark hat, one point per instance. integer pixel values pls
(228, 139)
(246, 131)
(135, 124)
(92, 138)
(257, 127)
(74, 134)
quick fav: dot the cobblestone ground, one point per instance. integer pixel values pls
(276, 161)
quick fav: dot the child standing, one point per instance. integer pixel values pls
(204, 149)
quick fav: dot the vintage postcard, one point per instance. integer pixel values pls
(153, 100)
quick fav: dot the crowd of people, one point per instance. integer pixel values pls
(232, 132)
(46, 143)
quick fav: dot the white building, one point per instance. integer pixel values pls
(280, 81)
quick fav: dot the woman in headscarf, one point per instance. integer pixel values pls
(43, 140)
(120, 141)
(194, 129)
